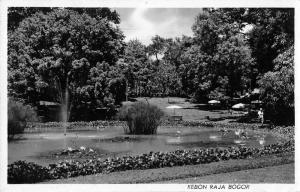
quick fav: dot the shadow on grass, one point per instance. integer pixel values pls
(205, 107)
(16, 138)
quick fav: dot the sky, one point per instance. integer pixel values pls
(144, 23)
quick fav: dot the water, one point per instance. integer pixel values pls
(113, 142)
(63, 96)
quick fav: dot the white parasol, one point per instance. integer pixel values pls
(214, 102)
(239, 106)
(174, 107)
(257, 102)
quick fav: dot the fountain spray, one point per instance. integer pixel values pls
(64, 102)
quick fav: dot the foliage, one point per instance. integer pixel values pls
(278, 89)
(272, 32)
(75, 153)
(157, 47)
(103, 13)
(18, 116)
(66, 169)
(218, 64)
(152, 70)
(17, 14)
(26, 172)
(267, 40)
(138, 70)
(141, 117)
(166, 81)
(64, 51)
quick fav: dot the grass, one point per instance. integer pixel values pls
(189, 111)
(172, 173)
(273, 174)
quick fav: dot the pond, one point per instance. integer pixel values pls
(112, 142)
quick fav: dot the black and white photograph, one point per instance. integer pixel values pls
(160, 95)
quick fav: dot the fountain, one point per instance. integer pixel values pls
(64, 102)
(64, 111)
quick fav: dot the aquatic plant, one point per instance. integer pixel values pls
(141, 118)
(23, 172)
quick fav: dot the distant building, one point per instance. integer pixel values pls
(49, 111)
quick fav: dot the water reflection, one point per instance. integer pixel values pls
(215, 138)
(174, 140)
(237, 141)
(113, 141)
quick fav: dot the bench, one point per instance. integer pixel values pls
(175, 118)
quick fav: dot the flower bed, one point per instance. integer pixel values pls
(27, 172)
(66, 169)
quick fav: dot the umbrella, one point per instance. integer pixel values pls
(214, 102)
(256, 102)
(239, 106)
(174, 107)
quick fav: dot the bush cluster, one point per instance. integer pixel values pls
(18, 116)
(27, 172)
(141, 117)
(23, 172)
(288, 132)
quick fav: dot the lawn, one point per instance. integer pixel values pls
(273, 174)
(189, 111)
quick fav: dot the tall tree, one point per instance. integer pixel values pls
(219, 62)
(136, 58)
(157, 47)
(63, 51)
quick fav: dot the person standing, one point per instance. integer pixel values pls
(261, 115)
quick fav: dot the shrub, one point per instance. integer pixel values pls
(142, 118)
(18, 115)
(277, 88)
(26, 172)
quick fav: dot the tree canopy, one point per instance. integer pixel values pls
(81, 52)
(64, 51)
